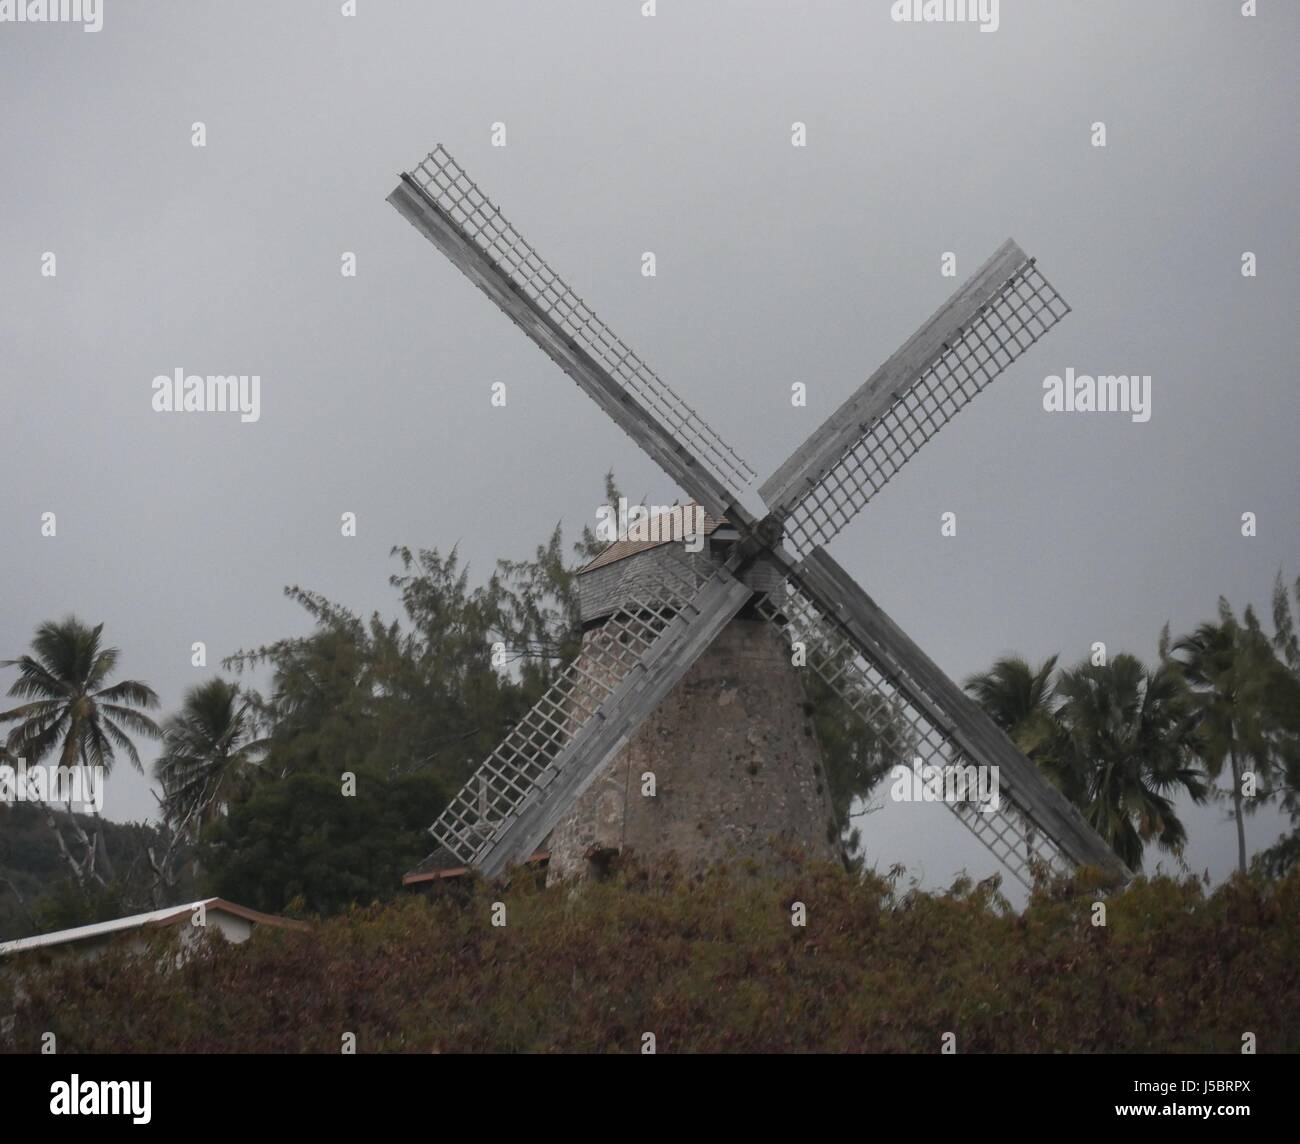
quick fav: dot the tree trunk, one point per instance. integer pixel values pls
(101, 839)
(85, 869)
(101, 845)
(1236, 809)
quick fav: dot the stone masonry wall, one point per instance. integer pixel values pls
(736, 764)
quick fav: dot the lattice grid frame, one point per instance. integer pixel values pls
(457, 196)
(1024, 309)
(523, 763)
(872, 692)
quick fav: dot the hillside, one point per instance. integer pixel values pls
(32, 868)
(716, 965)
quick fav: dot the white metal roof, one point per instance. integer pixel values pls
(135, 921)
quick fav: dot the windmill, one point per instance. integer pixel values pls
(777, 565)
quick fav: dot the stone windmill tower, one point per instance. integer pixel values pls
(712, 634)
(728, 767)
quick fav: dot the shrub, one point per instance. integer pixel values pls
(714, 964)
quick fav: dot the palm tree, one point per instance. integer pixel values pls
(1286, 643)
(209, 752)
(70, 707)
(1129, 737)
(1019, 699)
(1244, 700)
(73, 710)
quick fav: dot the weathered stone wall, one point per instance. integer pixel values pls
(736, 764)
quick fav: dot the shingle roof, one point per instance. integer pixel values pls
(670, 524)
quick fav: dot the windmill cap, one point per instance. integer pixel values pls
(669, 525)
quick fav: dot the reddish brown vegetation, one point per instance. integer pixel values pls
(717, 965)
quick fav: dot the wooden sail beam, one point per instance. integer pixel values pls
(670, 454)
(958, 717)
(997, 315)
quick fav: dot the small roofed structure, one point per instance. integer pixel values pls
(235, 923)
(677, 523)
(683, 538)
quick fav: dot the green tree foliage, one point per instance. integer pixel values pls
(392, 697)
(1022, 700)
(73, 714)
(409, 706)
(66, 905)
(1122, 742)
(859, 748)
(1018, 698)
(1129, 744)
(432, 693)
(1246, 704)
(70, 705)
(1115, 738)
(298, 838)
(1285, 637)
(1285, 855)
(209, 754)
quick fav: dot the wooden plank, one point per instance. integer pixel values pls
(639, 424)
(955, 714)
(636, 697)
(847, 425)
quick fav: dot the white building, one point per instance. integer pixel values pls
(235, 923)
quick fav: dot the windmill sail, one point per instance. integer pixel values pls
(1001, 310)
(871, 664)
(440, 201)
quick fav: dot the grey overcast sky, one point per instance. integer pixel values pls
(775, 264)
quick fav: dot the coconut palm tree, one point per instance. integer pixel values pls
(1016, 696)
(70, 705)
(1245, 703)
(209, 752)
(1129, 737)
(1021, 699)
(1286, 642)
(73, 711)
